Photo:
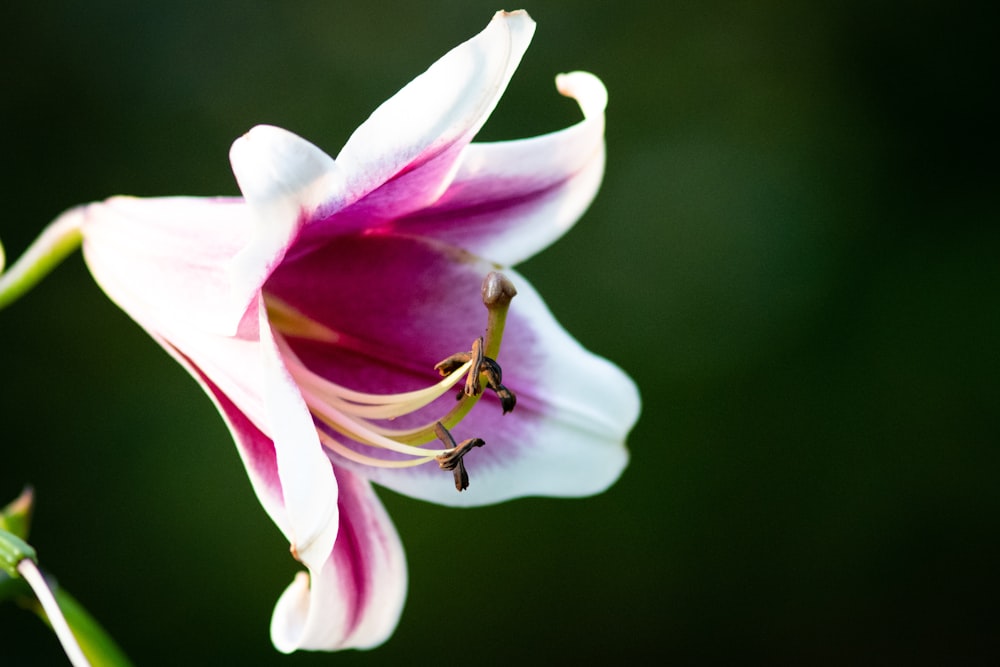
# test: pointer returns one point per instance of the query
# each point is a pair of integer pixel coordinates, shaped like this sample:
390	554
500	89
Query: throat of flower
354	424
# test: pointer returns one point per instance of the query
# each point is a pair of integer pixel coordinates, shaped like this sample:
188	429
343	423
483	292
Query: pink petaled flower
315	311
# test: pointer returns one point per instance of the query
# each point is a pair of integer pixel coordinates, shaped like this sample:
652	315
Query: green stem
57	241
82	637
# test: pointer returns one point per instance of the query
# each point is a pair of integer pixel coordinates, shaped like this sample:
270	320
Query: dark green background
794	254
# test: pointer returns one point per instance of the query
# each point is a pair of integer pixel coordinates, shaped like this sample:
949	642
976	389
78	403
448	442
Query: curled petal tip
517	13
586	89
271	163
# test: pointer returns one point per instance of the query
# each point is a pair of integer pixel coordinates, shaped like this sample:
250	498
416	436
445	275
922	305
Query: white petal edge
308	484
449	102
578	149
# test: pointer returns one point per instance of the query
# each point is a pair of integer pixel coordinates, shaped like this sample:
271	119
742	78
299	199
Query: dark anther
494	376
448	366
453	459
482	365
507	398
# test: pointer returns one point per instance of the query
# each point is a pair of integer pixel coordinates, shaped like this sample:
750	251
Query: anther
453	458
472	385
494	376
507	398
481	366
448	366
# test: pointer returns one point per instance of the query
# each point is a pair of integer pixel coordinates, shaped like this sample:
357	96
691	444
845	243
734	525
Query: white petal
511	199
168	258
307	480
274	431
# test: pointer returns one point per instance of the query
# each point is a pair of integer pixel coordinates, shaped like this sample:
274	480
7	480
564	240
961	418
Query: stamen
359	431
472	384
454	458
369	406
474	359
349	421
448	366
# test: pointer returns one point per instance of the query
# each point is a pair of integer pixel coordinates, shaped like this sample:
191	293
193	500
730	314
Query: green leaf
94	641
15	518
12	551
96	644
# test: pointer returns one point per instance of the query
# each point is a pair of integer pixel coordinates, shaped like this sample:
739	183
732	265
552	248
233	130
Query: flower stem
20	577
53	245
17	559
30	572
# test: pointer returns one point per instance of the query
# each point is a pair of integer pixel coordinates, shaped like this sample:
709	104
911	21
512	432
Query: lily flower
336	309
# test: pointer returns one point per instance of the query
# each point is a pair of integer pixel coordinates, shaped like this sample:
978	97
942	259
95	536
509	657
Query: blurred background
794	254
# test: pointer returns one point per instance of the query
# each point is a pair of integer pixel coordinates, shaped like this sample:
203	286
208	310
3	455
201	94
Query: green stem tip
53	245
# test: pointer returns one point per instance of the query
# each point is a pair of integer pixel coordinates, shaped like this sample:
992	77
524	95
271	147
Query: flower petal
307	481
354	599
402	158
511	199
574	409
248	372
283	178
245	376
166	262
170	257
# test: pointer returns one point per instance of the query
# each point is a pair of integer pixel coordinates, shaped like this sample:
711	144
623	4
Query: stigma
357	426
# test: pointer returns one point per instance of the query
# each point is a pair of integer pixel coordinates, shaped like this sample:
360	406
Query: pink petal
511	199
566	436
354	598
400	305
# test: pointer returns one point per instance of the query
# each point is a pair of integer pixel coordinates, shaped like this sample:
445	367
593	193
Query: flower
315	309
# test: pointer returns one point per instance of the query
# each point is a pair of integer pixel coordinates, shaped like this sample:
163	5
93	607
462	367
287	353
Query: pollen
355	425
